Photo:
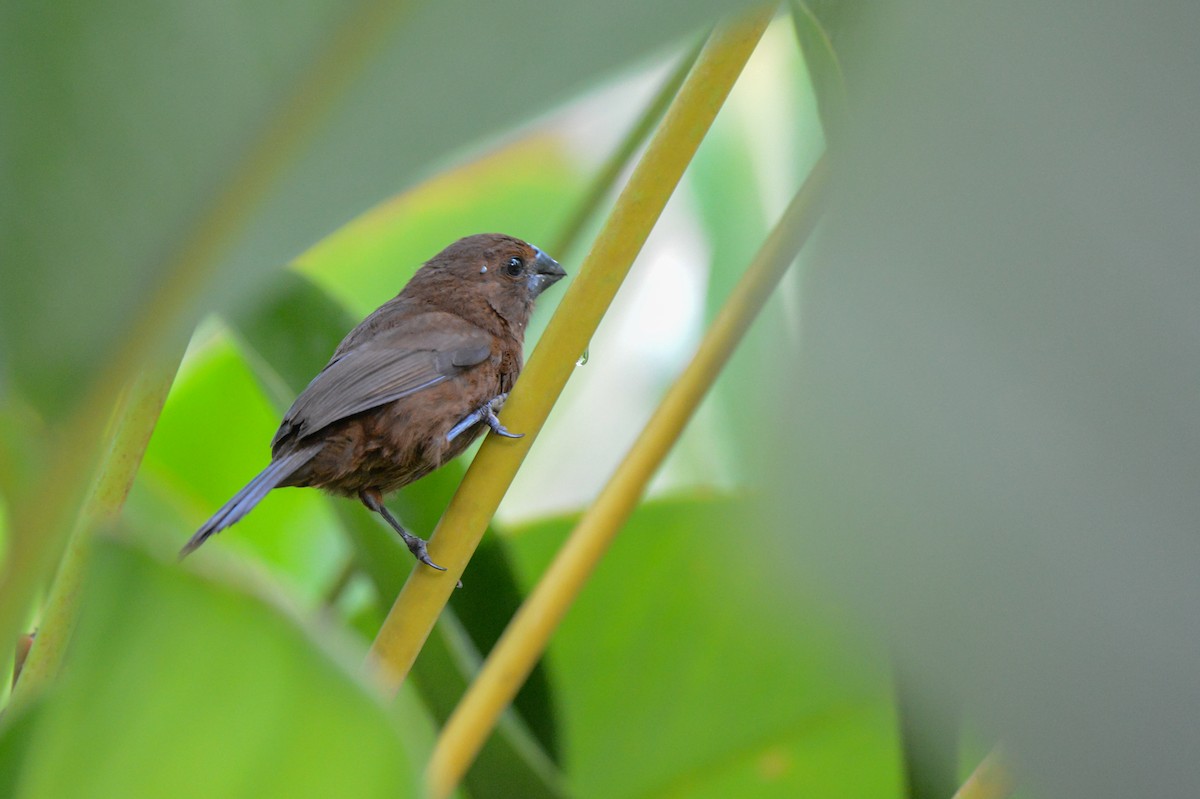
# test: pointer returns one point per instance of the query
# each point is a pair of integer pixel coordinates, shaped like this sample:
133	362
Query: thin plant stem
341	582
491	472
611	171
133	421
509	663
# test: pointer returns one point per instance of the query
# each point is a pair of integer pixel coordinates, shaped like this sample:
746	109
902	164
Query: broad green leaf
820	757
16	735
178	686
679	671
289	334
211	439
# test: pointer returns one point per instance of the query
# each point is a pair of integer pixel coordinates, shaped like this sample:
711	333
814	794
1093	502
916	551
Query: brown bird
412	386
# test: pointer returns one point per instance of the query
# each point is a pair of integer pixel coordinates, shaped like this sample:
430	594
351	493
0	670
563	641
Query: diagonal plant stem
133	421
611	171
528	633
991	779
637	209
599	188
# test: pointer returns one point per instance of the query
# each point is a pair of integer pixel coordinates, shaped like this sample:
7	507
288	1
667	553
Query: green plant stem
610	172
340	583
636	211
529	632
133	421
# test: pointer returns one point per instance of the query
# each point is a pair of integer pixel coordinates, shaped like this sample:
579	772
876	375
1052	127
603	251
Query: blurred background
943	496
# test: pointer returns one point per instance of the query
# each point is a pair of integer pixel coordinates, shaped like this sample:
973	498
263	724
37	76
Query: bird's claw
373	499
500	429
420	551
484	413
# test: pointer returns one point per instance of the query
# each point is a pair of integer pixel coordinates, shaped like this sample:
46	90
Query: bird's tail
245	500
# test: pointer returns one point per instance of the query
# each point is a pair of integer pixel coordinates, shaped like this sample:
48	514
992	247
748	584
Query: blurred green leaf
511	762
289	334
523	188
20	455
678	670
213	436
182	687
16	739
158	164
518	759
724	168
489	599
994	427
824	70
120	129
929	726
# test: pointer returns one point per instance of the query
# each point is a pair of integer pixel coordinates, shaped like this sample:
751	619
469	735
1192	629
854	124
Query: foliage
938	485
207	659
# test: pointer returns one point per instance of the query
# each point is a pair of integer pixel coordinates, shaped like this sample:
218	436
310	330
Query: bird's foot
484	413
420	550
373	499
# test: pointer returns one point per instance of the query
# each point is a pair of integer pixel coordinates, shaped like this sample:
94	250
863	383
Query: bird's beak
546	273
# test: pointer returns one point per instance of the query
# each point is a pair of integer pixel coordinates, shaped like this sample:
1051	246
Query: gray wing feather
384	369
250	495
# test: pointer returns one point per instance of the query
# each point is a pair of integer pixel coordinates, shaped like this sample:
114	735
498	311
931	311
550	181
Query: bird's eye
514	267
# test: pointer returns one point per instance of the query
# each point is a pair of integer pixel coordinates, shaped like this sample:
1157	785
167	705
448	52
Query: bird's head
504	272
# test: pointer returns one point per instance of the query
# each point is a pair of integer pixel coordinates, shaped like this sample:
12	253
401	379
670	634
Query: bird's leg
484	413
374	501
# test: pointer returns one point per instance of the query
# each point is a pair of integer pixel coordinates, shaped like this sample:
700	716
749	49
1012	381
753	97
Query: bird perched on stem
412	386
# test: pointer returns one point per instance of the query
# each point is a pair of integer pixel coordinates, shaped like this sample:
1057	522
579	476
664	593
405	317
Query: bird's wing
419	352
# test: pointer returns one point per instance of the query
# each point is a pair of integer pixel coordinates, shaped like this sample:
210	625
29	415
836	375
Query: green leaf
489	599
16	738
512	762
179	686
161	162
824	69
212	438
724	168
518	759
289	333
679	671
